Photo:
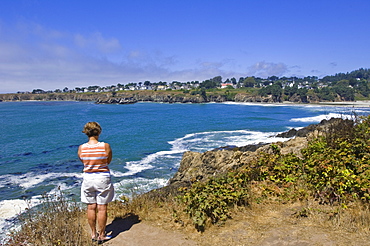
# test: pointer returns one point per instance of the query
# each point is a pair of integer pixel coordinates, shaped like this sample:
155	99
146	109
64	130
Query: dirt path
274	227
241	233
136	233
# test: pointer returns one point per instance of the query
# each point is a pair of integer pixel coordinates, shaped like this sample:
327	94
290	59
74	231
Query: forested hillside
335	88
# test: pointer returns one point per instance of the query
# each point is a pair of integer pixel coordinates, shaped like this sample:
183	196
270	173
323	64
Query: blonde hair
92	129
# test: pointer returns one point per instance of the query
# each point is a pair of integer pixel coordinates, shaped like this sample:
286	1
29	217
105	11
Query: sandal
105	239
95	239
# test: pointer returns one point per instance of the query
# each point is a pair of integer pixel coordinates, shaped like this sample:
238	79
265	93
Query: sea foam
138	186
10	209
319	118
32	179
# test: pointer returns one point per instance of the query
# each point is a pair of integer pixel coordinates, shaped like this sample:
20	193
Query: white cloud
32	57
266	69
98	42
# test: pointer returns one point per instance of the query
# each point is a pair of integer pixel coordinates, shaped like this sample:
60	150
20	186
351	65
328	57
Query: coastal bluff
135	96
196	166
128	97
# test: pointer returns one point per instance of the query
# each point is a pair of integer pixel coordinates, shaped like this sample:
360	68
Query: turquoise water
39	140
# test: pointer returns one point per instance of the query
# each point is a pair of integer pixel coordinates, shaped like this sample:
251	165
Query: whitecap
146	163
259	104
138	185
10	209
117	174
135	167
32	179
250	137
205	141
321	117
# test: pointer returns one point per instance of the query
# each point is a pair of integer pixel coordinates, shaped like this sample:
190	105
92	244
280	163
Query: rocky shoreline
196	166
130	97
133	97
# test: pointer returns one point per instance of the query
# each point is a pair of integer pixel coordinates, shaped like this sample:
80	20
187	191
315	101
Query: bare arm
109	152
79	153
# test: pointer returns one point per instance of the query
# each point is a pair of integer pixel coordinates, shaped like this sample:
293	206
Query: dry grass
58	221
265	221
159	209
286	224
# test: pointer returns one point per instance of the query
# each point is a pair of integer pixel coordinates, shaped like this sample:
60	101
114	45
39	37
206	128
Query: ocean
39	141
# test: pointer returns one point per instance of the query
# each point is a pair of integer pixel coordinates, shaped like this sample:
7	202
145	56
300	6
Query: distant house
145	87
162	87
224	85
175	87
288	84
131	88
186	87
322	85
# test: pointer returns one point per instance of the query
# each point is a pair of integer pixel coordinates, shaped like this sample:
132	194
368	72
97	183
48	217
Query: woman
97	190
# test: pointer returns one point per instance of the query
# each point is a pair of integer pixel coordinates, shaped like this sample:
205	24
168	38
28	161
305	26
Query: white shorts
97	189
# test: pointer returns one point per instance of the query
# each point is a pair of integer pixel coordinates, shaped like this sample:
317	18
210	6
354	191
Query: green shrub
334	168
230	96
211	201
338	168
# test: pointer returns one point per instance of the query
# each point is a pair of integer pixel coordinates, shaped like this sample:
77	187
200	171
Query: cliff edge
196	166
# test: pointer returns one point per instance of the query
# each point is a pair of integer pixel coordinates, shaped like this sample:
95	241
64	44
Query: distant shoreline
360	104
365	103
285	103
354	103
170	97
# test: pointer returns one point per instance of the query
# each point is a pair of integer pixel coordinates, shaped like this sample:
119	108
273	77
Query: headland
129	97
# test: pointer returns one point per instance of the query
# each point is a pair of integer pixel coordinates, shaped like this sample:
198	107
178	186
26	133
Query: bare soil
263	226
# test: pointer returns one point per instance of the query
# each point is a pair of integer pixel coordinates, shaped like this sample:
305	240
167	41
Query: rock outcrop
139	96
54	97
196	166
114	100
120	97
242	97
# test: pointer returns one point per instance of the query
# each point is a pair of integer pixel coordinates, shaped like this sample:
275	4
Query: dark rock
289	134
324	124
251	147
113	100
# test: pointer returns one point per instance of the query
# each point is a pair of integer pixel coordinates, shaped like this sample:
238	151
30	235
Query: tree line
346	86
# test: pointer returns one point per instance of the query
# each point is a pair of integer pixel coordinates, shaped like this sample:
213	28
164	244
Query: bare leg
91	218
102	220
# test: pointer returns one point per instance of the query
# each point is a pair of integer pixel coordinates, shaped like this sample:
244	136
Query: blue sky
55	44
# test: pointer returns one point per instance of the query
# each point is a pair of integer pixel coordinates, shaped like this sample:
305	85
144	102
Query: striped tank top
94	158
